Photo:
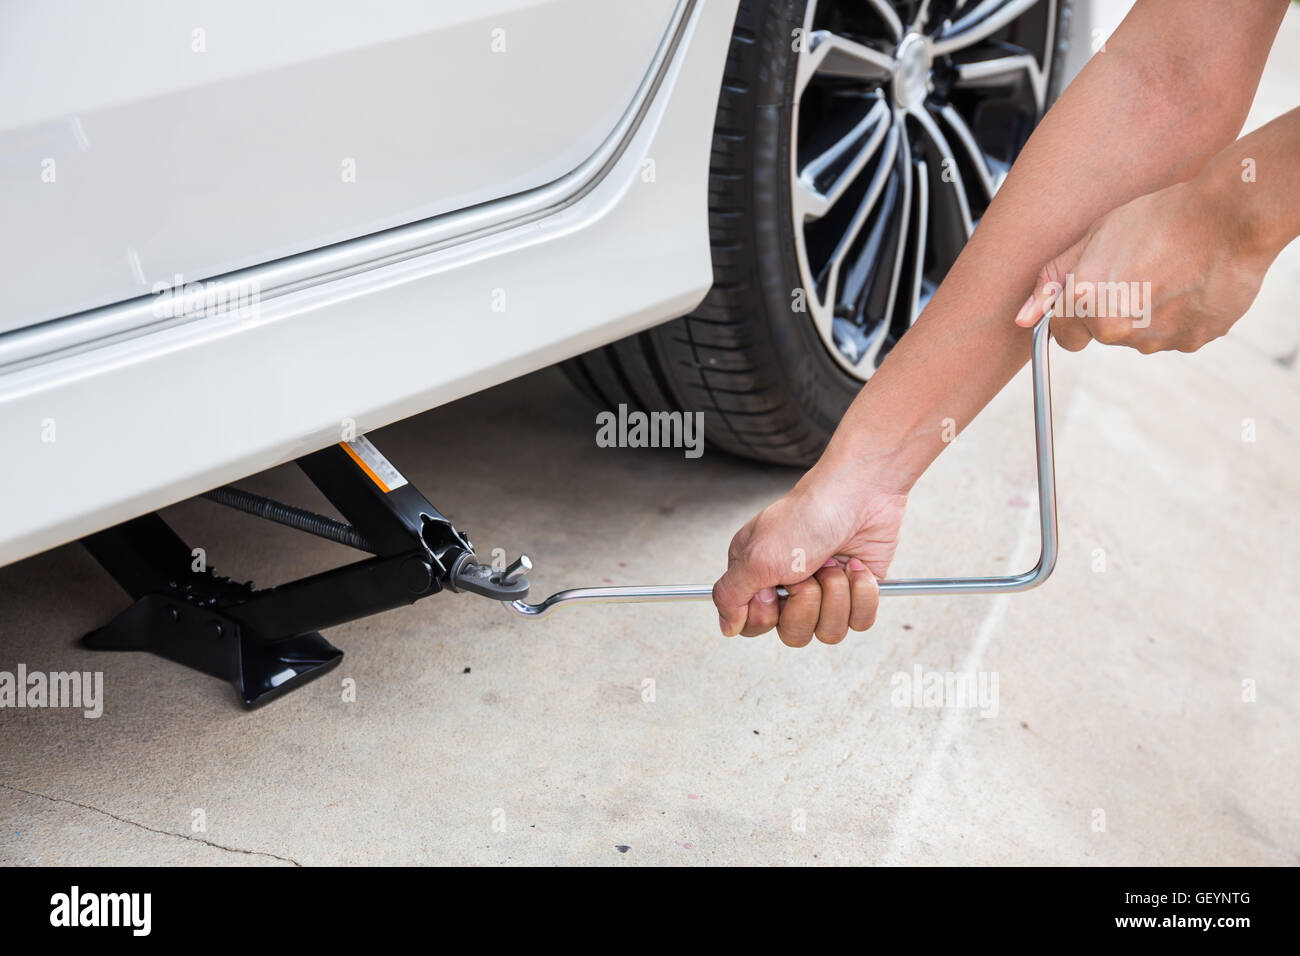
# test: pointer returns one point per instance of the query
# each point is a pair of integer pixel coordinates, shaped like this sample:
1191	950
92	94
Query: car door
154	142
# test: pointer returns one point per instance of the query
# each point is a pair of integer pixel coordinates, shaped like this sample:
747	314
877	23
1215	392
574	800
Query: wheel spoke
826	176
866	270
952	216
861	282
833	55
922	15
1001	70
870	287
903	220
963	137
921	178
887	13
983	20
879	179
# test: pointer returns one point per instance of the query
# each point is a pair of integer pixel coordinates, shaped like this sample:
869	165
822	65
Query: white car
234	231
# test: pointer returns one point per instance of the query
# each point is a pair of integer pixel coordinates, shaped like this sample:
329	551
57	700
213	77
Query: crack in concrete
142	826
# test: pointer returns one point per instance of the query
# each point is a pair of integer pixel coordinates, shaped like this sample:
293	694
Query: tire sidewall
816	382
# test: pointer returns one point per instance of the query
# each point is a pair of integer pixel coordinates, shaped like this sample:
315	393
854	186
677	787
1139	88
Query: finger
1044	296
1048	285
833	619
1030	312
1070	333
865	594
762	613
799	616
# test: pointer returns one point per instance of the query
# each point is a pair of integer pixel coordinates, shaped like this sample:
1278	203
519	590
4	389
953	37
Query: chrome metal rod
1041	373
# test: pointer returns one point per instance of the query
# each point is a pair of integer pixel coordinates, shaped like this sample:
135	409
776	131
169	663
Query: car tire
773	383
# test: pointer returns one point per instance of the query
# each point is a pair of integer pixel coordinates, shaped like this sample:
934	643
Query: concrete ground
1145	712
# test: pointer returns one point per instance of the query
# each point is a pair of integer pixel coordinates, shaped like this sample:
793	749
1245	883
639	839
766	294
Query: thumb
751	570
1048	285
732	593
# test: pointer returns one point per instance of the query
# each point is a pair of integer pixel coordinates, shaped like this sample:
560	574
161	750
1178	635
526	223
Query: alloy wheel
906	117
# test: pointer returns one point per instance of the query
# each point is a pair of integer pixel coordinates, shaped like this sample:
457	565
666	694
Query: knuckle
832	579
1070	335
808	590
1051	274
1111	333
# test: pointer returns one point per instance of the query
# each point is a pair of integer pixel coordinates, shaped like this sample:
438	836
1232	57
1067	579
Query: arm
1200	249
1163	98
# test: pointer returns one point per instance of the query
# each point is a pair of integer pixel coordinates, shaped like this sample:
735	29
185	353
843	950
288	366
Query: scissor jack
265	641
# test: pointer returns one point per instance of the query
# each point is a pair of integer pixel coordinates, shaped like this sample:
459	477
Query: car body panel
160	142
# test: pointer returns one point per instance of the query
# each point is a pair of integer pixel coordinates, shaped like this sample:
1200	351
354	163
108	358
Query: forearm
1149	111
1254	185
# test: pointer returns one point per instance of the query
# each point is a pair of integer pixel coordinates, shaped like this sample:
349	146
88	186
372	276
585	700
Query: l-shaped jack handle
1041	374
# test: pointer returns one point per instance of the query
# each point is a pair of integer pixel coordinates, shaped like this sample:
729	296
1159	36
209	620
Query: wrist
867	462
1227	196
